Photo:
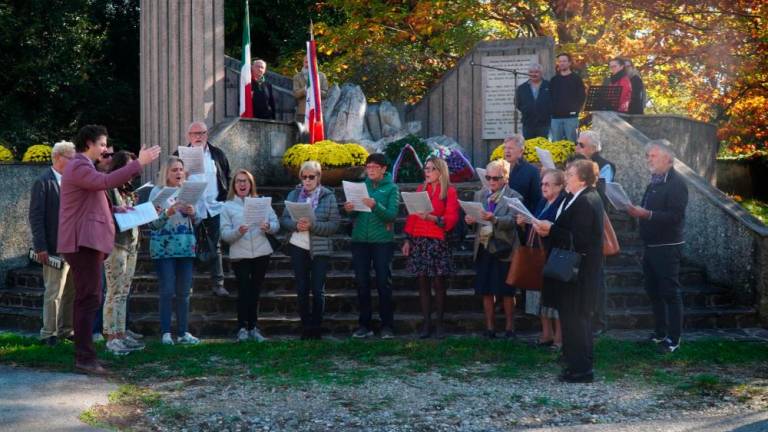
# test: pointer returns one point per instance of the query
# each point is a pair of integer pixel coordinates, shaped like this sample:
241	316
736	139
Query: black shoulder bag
563	264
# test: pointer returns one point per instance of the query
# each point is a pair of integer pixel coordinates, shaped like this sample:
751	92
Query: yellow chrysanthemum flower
560	150
5	155
37	153
330	154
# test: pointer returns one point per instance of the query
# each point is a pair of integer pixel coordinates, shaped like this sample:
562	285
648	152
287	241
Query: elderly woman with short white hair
310	245
495	241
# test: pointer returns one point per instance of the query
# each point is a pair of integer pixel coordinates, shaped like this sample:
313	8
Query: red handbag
525	270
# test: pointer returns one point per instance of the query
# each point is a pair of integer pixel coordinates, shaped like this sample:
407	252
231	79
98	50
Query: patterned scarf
312	197
493	199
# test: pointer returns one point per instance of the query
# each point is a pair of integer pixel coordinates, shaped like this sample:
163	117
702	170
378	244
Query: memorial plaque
499	93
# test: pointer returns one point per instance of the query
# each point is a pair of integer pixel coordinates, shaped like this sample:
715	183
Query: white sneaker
187	339
132	343
167	339
256	335
116	347
134	335
242	335
98	337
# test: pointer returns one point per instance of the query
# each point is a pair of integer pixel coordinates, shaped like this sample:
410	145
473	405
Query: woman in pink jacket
86	231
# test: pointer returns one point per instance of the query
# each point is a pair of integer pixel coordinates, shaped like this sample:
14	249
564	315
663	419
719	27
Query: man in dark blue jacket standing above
524	178
534	102
662	217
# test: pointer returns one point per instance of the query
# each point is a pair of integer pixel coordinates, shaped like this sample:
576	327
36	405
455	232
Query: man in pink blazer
86	231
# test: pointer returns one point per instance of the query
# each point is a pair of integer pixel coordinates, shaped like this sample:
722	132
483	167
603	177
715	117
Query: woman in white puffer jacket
249	252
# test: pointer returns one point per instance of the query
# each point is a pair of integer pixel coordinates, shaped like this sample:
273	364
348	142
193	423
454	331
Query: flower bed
339	161
37	153
560	150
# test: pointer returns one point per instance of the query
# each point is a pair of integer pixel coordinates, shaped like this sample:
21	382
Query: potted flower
560	150
38	153
5	155
339	161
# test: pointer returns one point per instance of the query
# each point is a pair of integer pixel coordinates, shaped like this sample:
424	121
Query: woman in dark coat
578	226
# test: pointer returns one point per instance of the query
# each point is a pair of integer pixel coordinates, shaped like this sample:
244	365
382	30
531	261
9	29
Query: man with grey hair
662	216
534	101
262	91
209	206
523	177
44	222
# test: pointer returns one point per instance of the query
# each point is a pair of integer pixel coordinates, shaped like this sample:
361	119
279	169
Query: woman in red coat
428	252
86	231
620	78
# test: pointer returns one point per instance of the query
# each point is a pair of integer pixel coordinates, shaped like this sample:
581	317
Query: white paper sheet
616	195
481	172
354	193
256	210
190	192
140	215
53	260
545	156
193	159
162	199
144	186
417	202
299	210
474	209
519	208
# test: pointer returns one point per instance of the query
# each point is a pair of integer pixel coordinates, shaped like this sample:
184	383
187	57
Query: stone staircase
706	305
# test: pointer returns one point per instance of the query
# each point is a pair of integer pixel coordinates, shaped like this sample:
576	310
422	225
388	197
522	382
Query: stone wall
695	142
258	146
730	243
15	236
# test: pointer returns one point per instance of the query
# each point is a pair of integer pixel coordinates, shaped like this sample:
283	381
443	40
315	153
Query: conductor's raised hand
148	154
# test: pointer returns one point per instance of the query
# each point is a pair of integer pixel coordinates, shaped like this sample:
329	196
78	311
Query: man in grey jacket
44	223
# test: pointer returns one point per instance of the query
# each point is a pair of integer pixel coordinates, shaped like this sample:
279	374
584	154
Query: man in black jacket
534	101
209	206
568	96
44	222
262	91
662	217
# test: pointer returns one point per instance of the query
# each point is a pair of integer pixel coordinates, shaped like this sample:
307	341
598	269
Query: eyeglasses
308	177
242	181
200	133
107	155
494	178
429	169
373	166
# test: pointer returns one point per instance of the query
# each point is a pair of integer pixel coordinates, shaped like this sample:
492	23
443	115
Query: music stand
603	98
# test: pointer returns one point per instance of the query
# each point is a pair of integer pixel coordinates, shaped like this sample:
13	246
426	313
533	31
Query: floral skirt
429	257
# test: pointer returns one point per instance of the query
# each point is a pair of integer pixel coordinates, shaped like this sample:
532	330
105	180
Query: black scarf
618	75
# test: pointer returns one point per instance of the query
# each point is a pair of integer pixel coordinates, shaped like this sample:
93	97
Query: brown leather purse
610	242
525	270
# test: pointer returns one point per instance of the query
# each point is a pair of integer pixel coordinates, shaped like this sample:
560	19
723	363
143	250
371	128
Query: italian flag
246	104
313	115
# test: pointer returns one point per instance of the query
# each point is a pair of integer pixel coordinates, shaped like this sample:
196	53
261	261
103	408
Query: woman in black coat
578	226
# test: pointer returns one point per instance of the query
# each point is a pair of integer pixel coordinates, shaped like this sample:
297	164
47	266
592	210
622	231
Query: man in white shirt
210	204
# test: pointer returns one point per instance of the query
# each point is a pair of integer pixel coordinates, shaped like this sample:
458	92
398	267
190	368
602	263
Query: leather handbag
611	245
204	250
526	269
563	264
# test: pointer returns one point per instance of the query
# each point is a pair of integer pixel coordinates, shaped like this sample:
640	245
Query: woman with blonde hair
428	252
172	247
310	245
249	252
495	240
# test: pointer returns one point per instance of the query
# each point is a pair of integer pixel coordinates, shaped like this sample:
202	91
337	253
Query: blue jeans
564	128
310	277
175	278
381	256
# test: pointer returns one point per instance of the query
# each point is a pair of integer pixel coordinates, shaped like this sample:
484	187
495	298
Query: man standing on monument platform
300	90
568	95
263	93
534	101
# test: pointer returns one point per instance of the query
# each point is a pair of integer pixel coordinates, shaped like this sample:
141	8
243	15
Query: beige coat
300	90
505	226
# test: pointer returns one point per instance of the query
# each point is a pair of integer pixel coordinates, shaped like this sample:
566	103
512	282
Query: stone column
182	70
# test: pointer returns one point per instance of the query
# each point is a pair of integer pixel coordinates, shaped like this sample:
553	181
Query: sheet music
162	199
545	156
191	192
417	202
140	215
481	172
193	159
474	209
617	196
518	207
256	210
144	186
354	193
299	210
53	260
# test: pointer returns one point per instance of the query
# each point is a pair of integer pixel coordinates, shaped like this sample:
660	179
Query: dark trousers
87	270
599	320
533	131
661	268
213	229
98	322
577	337
250	275
310	278
380	254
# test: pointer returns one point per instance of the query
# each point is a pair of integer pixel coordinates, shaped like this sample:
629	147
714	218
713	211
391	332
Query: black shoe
490	334
667	346
510	334
305	334
49	341
439	332
545	344
571	377
425	332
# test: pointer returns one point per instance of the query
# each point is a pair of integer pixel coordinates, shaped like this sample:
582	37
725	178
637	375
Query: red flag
313	116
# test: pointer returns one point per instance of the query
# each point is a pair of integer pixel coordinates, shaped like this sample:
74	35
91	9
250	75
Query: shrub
37	153
5	155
